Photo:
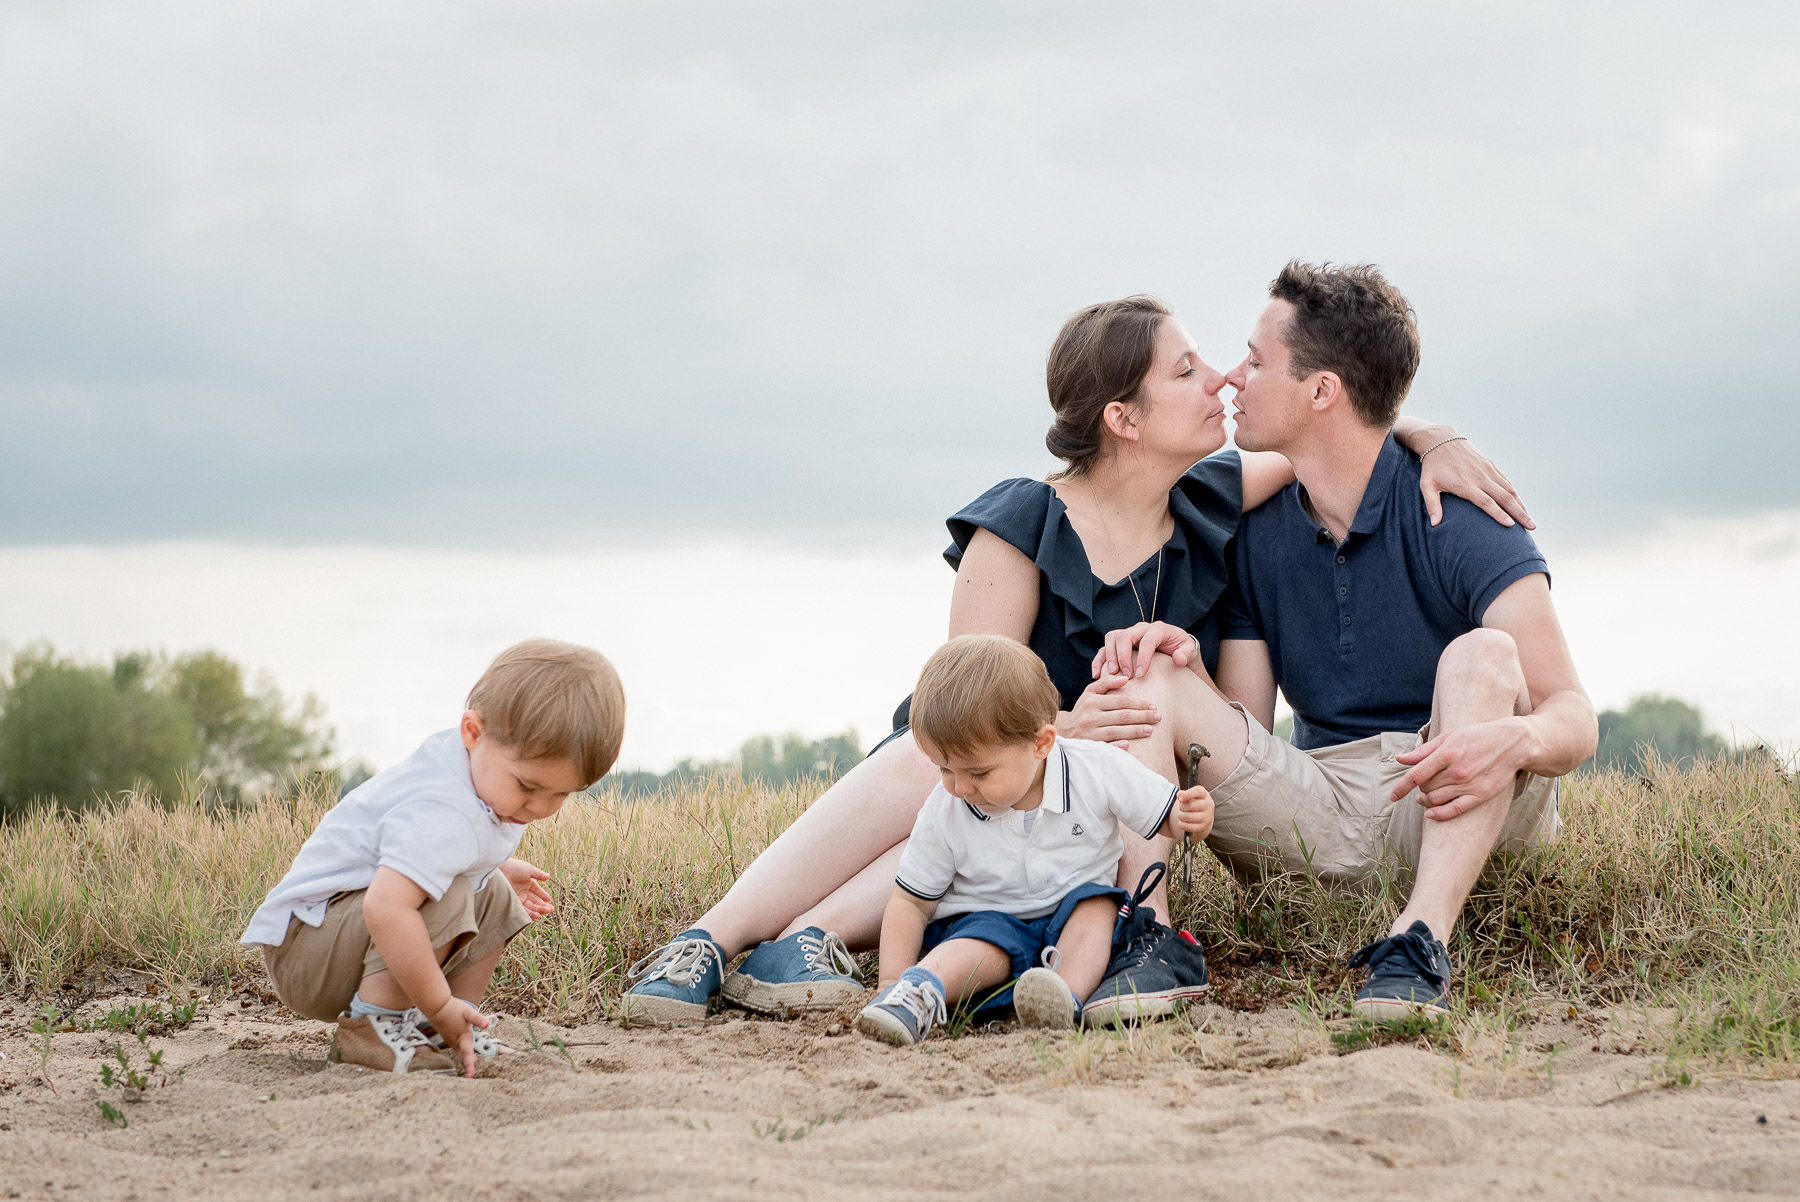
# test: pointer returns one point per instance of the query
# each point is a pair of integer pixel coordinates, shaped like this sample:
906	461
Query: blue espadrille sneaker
809	970
675	983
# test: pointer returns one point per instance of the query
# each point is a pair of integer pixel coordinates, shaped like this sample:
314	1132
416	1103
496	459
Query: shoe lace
829	954
402	1029
1412	950
683	962
920	999
1143	933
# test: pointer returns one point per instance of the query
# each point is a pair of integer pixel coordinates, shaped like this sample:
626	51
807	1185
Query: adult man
1435	700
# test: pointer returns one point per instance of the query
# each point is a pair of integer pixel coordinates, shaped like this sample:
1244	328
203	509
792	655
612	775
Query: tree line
79	732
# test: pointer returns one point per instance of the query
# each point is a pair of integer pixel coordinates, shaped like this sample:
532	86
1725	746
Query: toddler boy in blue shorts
1009	873
393	917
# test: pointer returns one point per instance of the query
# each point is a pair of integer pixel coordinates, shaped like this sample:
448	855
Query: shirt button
1346	619
1343	590
1340	559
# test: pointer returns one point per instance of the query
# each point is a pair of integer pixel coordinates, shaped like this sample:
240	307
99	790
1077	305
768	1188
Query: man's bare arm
1246	676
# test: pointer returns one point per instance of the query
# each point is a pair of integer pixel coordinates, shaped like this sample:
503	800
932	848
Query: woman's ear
1121	419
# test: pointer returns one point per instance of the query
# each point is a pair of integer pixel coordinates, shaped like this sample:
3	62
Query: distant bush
1672	728
76	732
770	760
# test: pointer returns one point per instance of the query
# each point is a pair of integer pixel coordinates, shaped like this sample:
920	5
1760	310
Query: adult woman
1136	527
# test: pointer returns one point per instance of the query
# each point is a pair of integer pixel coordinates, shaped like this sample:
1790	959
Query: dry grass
1672	889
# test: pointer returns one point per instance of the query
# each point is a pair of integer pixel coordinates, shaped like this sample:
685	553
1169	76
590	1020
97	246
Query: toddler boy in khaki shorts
393	916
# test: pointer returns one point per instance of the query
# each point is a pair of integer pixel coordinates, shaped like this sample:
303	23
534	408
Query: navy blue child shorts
1022	939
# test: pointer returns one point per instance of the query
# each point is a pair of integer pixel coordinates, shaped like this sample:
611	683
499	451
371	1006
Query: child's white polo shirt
420	818
966	860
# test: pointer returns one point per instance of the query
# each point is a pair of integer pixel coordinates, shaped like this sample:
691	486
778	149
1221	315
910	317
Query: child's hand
1193	812
524	878
452	1021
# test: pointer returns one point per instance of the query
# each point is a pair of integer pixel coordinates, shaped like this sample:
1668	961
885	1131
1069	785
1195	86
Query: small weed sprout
131	1080
48	1022
784	1132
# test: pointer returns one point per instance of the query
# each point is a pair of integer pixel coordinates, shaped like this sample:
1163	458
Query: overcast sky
466	274
597	278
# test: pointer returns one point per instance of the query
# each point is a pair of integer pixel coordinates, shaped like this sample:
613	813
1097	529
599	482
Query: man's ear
1121	419
1327	391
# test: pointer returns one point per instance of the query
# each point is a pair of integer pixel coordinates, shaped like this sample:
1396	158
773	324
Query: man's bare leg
1479	679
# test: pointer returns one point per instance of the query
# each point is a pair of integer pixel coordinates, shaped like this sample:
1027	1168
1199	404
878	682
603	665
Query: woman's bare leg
831	849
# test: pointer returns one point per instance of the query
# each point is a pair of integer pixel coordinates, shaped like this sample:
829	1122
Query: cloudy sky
370	335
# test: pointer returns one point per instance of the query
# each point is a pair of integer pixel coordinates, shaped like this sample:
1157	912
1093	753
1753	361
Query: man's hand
1128	652
452	1020
1458	771
1107	716
1193	813
524	878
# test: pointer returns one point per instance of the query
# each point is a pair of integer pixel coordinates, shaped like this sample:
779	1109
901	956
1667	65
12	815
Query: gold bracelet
1434	446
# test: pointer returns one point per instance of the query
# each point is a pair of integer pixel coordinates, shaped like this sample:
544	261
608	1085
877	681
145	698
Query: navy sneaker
675	983
809	970
1156	971
1409	973
905	1011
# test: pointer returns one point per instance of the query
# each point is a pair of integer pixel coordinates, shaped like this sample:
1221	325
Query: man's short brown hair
543	699
982	690
1351	321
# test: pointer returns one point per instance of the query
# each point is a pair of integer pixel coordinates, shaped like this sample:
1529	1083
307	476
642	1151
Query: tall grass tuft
1672	887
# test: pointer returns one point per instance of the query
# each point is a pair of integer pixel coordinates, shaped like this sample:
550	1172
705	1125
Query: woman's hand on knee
1107	715
1128	652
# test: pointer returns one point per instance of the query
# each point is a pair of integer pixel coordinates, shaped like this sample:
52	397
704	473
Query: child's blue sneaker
676	983
1409	973
905	1011
809	970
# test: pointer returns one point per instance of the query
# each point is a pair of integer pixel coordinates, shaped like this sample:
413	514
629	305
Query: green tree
1674	728
767	759
76	732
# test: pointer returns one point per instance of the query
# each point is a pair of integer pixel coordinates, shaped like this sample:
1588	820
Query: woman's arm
1265	474
1449	463
996	590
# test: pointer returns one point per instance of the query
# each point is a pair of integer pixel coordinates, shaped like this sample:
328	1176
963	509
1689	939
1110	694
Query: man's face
1271	406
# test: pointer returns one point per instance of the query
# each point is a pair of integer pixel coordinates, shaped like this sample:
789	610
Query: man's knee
1484	660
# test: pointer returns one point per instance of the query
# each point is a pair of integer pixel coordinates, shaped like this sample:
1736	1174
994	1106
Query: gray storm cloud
495	274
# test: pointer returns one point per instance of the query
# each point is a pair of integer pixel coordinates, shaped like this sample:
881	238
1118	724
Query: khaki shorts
1327	812
316	970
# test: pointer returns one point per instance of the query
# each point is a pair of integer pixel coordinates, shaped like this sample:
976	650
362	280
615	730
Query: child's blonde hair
981	690
544	699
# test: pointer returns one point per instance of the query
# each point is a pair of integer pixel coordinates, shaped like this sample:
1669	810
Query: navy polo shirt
1355	629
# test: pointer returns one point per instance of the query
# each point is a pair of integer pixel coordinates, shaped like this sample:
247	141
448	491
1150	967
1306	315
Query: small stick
1196	753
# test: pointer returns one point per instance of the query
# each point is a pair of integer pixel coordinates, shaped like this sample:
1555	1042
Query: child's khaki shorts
1327	812
316	970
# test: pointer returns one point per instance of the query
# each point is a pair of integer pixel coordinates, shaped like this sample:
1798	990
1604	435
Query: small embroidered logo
1076	829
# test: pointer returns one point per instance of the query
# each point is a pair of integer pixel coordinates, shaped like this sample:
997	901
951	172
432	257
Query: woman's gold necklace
1130	577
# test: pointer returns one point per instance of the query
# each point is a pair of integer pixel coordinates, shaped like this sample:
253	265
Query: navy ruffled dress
1076	610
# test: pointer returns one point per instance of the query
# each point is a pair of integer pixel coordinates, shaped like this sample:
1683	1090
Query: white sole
659	1011
1139	1007
1041	999
1394	1010
793	997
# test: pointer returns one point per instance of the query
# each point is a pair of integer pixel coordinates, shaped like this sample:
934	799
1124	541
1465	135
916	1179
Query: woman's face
1180	412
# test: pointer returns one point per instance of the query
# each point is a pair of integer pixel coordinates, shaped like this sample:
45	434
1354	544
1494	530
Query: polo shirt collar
1381	483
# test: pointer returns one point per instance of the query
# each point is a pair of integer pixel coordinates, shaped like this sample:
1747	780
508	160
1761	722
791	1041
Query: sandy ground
1227	1104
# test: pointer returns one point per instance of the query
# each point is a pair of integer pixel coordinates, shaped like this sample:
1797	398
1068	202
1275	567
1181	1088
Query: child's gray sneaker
675	983
809	970
905	1011
392	1043
1409	973
1041	998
